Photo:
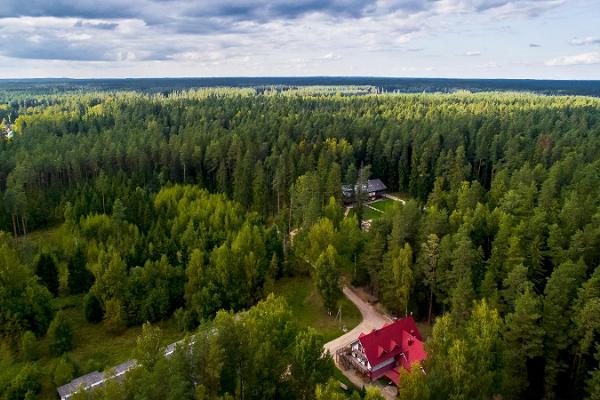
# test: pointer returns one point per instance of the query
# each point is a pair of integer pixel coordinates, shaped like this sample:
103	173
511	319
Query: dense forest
190	206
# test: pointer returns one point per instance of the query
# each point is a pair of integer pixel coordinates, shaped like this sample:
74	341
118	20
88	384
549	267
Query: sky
537	39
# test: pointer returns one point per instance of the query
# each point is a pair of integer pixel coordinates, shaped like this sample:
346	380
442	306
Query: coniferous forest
159	217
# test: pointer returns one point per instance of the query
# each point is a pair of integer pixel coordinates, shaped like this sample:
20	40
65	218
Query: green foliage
309	366
80	278
24	303
29	347
507	182
327	278
64	371
25	384
400	279
114	316
558	297
45	268
148	349
524	339
373	393
330	391
466	362
60	334
256	354
413	384
92	308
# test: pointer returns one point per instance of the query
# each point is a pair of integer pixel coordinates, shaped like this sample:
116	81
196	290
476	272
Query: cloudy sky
552	39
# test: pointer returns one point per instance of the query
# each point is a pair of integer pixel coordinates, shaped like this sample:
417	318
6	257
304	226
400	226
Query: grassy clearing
94	348
308	310
384	205
369	213
381	207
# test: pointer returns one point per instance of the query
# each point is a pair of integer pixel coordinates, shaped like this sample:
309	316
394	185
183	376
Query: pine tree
60	334
401	278
430	254
558	294
524	340
327	278
45	268
80	278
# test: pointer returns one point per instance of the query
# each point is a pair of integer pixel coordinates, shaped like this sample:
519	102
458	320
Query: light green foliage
24	303
310	366
466	362
327	278
148	348
26	384
399	278
413	384
64	371
114	316
330	391
373	393
29	347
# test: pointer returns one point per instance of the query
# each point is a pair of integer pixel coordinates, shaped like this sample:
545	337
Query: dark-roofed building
384	351
374	189
94	380
85	382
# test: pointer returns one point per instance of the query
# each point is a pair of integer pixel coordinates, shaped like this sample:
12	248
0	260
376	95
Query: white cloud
585	41
263	37
331	56
590	58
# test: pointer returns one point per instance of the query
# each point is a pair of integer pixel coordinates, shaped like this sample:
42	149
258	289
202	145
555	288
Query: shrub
92	309
60	334
114	316
25	384
28	346
63	371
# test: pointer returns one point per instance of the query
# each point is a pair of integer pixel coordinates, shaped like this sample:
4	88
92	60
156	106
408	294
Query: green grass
369	213
385	205
308	310
94	348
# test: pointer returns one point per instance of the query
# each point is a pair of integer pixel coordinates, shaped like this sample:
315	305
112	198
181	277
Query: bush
80	278
63	371
60	334
25	384
45	268
92	309
114	316
28	346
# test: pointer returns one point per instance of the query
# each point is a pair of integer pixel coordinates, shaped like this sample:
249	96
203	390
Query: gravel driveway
371	319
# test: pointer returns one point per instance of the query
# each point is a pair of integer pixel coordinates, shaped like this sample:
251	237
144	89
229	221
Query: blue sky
540	39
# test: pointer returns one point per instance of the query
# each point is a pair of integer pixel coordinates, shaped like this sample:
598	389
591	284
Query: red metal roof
400	340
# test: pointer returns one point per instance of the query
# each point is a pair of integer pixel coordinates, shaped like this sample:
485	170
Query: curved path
371	319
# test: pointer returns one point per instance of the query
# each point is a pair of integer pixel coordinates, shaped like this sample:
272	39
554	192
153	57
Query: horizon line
293	77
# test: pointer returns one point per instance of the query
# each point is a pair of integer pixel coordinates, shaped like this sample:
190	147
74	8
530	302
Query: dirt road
371	319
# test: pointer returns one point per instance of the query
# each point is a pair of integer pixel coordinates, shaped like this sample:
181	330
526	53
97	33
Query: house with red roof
382	352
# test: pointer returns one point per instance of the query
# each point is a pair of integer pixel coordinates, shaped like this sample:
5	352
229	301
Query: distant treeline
402	85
